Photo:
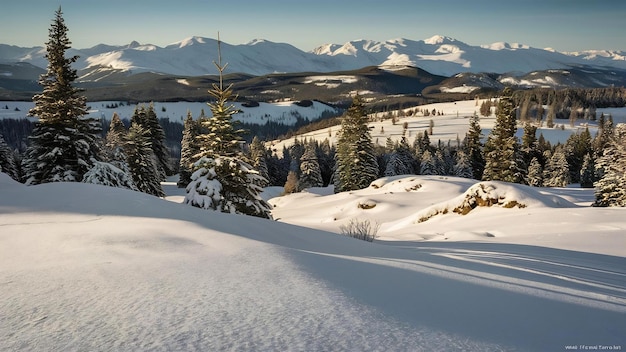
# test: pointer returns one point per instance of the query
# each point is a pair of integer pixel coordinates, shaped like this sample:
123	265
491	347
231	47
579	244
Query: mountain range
467	67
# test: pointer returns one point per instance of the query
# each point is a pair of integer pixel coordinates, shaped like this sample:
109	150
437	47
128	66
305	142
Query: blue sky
565	25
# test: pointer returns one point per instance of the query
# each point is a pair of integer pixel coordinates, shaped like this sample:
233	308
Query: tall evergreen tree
115	142
610	189
535	173
356	163
556	171
64	143
310	173
7	160
258	159
462	166
141	160
147	118
474	148
587	172
188	151
223	180
503	160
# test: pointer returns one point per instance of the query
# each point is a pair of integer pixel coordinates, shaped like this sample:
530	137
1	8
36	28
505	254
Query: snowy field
452	123
280	112
90	268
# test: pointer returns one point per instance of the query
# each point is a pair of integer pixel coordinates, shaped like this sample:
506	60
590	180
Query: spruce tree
610	189
7	160
258	159
115	143
356	164
462	166
587	172
141	160
474	148
223	180
188	151
310	173
535	173
148	120
503	159
64	143
556	171
428	165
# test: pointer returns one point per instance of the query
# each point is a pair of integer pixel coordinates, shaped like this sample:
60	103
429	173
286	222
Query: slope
133	272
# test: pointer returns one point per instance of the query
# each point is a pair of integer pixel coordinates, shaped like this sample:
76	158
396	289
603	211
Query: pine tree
428	166
535	173
64	143
587	172
462	166
556	171
188	151
141	161
223	179
258	158
115	143
310	173
7	160
148	120
356	164
474	148
107	174
401	161
610	189
503	159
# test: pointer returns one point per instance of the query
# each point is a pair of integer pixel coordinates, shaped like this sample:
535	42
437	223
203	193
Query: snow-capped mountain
439	55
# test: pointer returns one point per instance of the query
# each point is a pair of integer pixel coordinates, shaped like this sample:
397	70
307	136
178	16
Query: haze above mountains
438	55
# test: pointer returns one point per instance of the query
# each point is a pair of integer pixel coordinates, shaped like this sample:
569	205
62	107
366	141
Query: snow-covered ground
90	268
280	112
452	122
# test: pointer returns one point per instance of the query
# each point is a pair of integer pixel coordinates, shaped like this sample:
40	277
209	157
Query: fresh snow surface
91	268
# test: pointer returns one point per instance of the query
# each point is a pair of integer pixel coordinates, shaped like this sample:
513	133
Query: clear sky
565	25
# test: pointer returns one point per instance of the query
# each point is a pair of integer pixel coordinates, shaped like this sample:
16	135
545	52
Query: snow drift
88	267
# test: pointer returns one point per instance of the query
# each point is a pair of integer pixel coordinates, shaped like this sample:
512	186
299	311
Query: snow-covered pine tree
535	173
610	189
157	139
310	173
188	151
462	167
115	143
474	147
7	160
503	160
141	161
577	146
587	172
223	179
401	161
258	158
64	142
107	174
356	164
428	165
556	171
148	120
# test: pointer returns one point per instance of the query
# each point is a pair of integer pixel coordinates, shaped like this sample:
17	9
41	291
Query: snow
134	272
452	123
439	55
282	112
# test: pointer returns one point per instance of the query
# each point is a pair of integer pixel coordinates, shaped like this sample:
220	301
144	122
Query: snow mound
493	194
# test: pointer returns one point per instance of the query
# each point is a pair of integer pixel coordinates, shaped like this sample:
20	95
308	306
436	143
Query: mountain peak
133	44
439	39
